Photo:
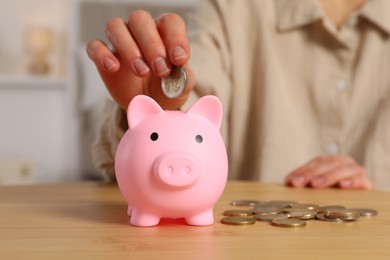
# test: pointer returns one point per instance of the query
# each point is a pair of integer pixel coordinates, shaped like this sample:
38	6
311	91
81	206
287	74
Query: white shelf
177	3
31	81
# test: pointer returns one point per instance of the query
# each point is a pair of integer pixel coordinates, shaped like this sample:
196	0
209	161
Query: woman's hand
330	171
143	51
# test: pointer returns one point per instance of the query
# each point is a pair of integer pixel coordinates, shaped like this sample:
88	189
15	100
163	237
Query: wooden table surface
88	221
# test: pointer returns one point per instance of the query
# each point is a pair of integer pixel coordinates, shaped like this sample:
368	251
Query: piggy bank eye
199	139
154	136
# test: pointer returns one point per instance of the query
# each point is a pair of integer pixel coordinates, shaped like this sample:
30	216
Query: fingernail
109	64
179	53
141	67
160	66
91	47
108	34
298	181
319	181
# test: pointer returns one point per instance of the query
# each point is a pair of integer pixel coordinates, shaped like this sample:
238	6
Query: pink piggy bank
172	164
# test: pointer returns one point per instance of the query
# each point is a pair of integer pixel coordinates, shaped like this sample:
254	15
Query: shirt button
332	149
341	85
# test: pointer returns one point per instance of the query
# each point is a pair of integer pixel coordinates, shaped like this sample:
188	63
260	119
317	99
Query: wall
16	17
45	121
32	109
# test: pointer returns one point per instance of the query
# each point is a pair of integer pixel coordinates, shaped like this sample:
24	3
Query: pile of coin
291	214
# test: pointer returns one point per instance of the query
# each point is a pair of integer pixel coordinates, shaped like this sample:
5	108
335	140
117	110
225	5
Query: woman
303	83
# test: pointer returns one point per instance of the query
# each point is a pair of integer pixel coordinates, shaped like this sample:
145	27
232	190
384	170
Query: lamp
39	42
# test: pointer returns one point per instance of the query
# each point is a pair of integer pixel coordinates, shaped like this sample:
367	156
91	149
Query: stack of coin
342	214
291	214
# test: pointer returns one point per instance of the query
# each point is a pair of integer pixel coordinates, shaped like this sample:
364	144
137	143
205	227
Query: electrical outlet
14	172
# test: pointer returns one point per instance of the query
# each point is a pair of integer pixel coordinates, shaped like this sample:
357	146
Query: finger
336	175
319	165
144	30
173	33
103	58
297	177
121	39
356	182
302	176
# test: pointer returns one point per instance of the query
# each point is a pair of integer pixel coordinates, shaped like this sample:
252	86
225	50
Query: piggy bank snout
176	170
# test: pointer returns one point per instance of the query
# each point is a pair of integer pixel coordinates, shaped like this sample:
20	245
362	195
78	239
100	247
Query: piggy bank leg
142	219
202	219
129	209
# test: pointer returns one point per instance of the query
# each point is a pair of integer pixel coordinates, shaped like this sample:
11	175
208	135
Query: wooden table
88	221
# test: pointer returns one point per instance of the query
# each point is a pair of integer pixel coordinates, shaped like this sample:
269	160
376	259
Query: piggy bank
172	164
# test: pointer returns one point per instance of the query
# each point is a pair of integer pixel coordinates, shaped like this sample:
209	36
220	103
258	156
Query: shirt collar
377	12
292	14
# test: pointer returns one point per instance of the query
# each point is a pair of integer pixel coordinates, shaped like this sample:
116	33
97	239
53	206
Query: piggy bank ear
210	108
140	107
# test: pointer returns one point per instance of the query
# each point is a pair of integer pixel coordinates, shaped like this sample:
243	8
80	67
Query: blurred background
50	93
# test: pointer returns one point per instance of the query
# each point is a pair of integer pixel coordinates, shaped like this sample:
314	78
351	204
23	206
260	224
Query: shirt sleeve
112	126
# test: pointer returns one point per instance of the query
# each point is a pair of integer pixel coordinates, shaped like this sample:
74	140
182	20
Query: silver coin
280	203
308	206
343	214
269	217
325	209
302	214
366	212
323	217
267	210
174	84
244	203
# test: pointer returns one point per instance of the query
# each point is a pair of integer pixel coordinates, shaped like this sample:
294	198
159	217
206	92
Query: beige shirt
292	86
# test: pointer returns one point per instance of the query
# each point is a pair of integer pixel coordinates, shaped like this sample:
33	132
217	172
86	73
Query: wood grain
88	221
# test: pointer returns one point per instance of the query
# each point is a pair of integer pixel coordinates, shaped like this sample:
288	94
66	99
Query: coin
288	223
244	203
324	209
299	209
174	83
307	206
365	212
267	209
238	213
280	203
343	214
238	221
323	217
269	217
286	213
302	214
